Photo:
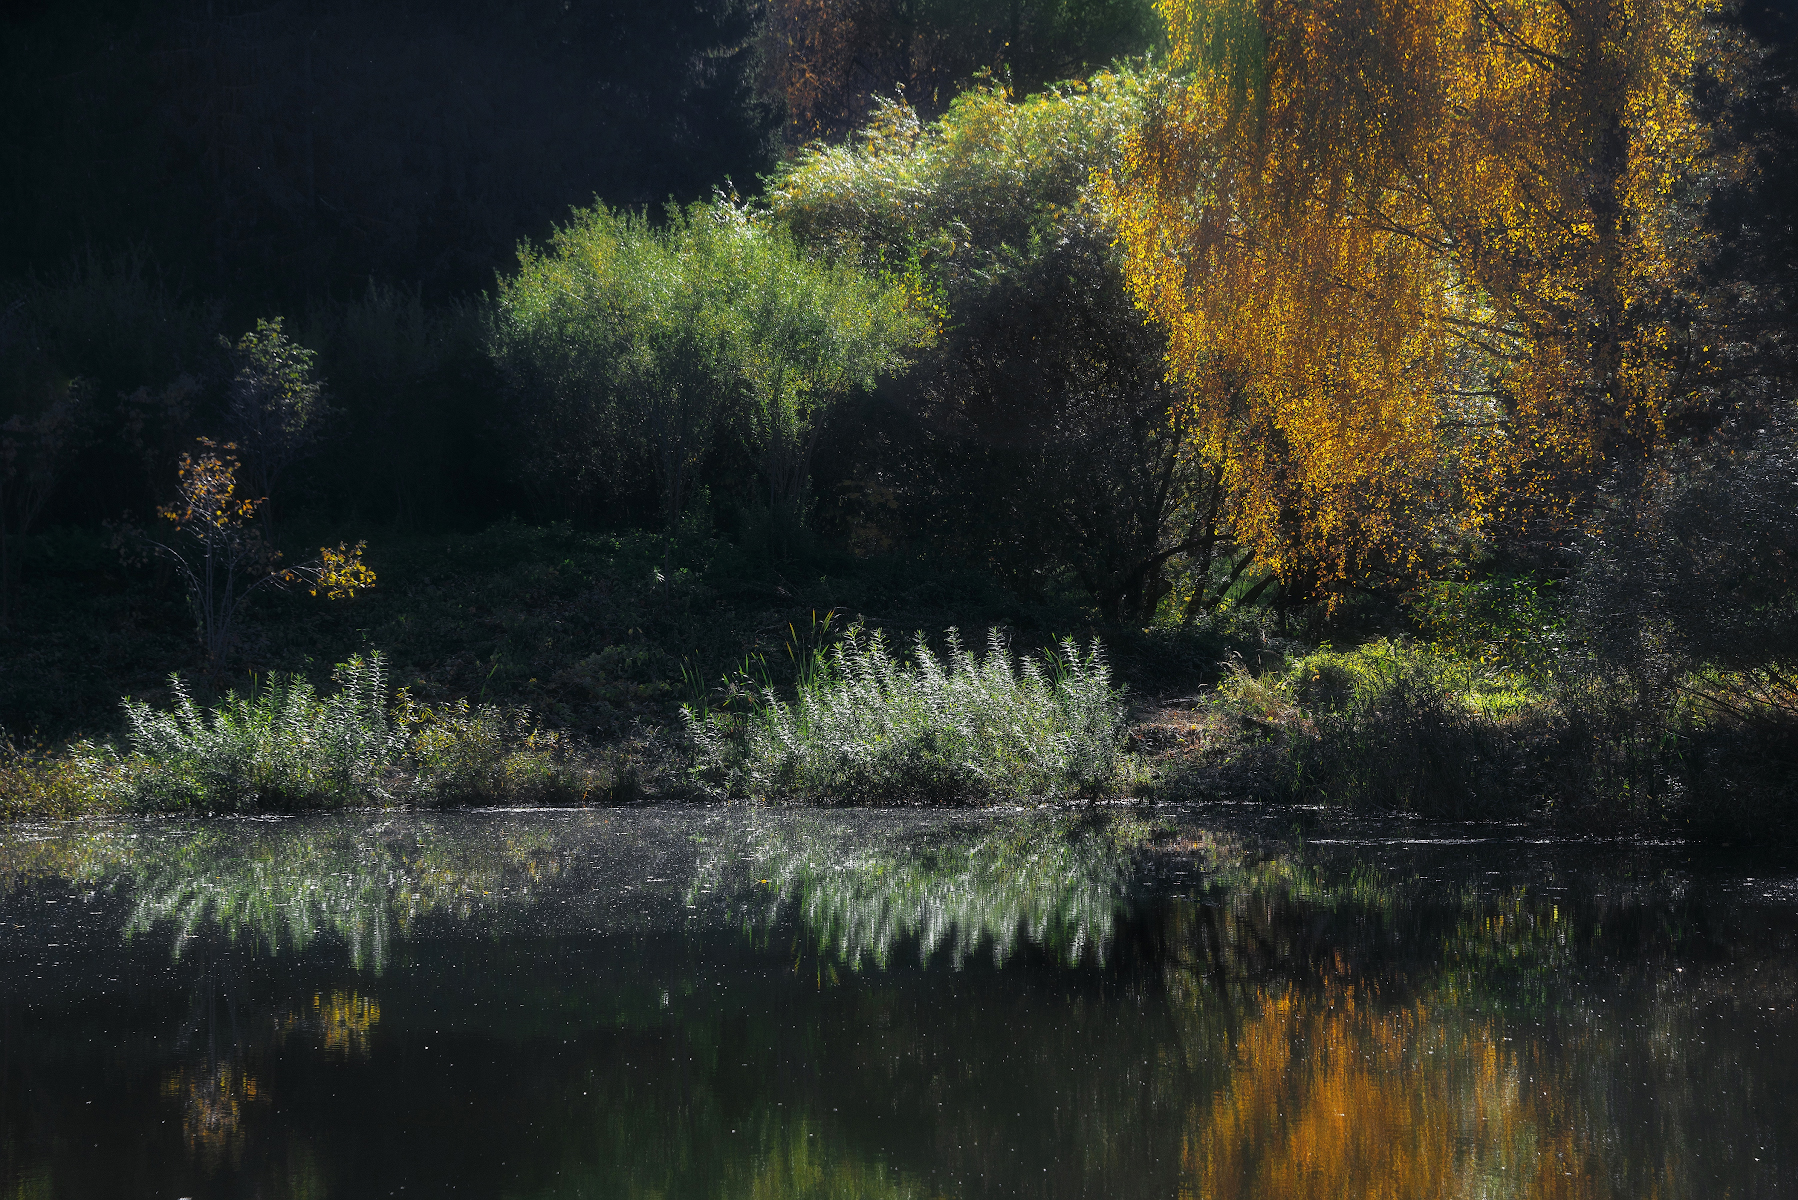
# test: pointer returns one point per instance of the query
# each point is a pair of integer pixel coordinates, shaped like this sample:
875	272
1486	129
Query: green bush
286	746
460	754
1039	437
636	350
1402	727
1389	725
36	783
1507	622
866	726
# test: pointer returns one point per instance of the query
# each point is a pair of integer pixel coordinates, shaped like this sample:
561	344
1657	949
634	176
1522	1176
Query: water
719	1003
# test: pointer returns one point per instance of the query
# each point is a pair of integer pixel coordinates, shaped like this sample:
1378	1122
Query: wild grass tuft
287	746
283	745
867	726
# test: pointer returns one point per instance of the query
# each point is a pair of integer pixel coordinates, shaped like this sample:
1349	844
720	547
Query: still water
1222	1002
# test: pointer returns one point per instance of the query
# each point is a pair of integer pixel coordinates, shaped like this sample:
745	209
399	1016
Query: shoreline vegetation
716	685
932	404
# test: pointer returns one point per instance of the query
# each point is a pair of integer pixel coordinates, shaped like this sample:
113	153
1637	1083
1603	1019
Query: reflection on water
340	1021
1333	1090
721	1003
212	1101
1054	882
280	885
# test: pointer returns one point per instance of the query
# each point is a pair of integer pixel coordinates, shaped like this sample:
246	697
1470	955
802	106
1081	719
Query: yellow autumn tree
1426	265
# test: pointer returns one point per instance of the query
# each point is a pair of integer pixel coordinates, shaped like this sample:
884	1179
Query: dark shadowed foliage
283	150
1038	440
826	60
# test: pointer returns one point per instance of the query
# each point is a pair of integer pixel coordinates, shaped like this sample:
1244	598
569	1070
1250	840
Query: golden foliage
342	1021
826	55
224	558
1424	263
214	1099
341	572
208	490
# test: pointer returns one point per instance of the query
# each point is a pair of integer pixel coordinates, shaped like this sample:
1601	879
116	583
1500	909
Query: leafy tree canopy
1428	268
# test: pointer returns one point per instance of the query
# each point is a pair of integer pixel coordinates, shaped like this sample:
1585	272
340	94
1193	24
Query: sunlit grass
285	745
868	726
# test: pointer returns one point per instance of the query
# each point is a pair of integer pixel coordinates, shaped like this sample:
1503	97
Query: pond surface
725	1003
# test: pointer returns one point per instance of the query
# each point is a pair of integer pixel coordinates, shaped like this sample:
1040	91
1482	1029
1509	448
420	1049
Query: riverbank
546	665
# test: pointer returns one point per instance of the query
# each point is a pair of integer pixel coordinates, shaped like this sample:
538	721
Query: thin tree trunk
1254	593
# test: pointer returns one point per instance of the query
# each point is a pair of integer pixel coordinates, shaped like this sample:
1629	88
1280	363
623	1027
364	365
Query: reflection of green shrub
1056	882
867	726
280	887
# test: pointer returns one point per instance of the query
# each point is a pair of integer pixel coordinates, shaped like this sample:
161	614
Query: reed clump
868	726
287	746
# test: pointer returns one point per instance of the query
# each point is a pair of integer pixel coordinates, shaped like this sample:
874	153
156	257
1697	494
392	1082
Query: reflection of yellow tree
213	1100
1336	1092
1350	1076
342	1021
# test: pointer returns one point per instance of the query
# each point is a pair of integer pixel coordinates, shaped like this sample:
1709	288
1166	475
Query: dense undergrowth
540	664
585	631
1403	726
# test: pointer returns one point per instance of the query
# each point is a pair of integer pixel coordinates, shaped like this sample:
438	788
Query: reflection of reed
281	885
281	888
89	856
1056	883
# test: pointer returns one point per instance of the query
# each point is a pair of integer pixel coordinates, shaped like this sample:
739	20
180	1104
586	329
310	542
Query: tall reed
866	726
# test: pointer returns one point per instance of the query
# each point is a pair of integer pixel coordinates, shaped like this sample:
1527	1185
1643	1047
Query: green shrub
1389	725
36	783
1506	622
284	745
636	349
866	726
460	754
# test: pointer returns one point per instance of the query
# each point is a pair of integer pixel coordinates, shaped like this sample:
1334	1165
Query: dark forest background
172	172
